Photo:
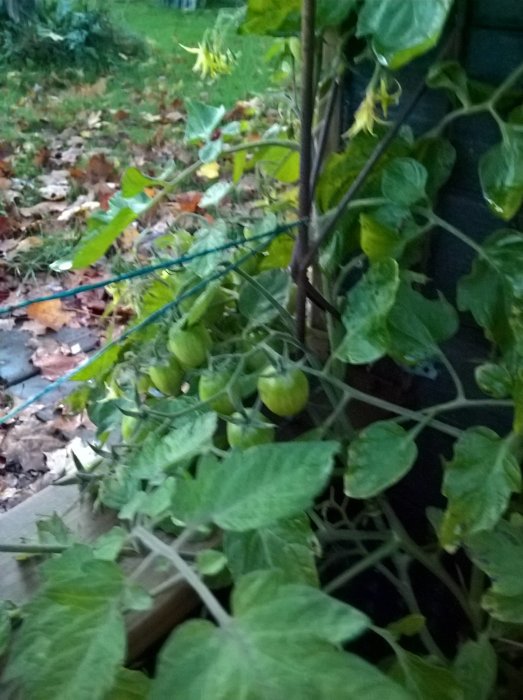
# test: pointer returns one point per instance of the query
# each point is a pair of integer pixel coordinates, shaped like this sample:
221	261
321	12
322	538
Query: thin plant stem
382	552
429	562
156	545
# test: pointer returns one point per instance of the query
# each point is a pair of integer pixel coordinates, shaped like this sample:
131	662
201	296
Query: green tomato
190	346
167	378
214	384
257	359
250	431
285	393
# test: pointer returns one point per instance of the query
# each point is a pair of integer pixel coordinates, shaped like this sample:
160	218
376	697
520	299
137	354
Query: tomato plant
305	517
167	377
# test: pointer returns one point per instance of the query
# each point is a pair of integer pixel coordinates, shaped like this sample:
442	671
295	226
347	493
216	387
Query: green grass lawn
41	102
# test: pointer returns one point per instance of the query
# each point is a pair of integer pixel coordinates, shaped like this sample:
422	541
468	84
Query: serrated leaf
157	455
478	483
256	487
208	238
285	545
109	545
400	32
202	120
279	643
365	317
476	669
501	174
255	306
403	181
73	638
378	457
499	553
129	685
425	680
416	325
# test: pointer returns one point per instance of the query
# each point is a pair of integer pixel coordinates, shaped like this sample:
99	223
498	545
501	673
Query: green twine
171	262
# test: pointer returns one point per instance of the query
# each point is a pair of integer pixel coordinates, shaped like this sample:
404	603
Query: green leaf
493	291
478	483
157	455
450	76
281	163
255	306
210	562
278	254
332	14
214	195
286	545
379	457
134	182
105	227
386	231
494	380
202	120
341	169
365	316
73	638
206	239
404	181
416	325
108	546
239	165
407	626
401	31
499	553
129	685
272	17
278	643
256	487
98	367
283	18
438	156
501	174
5	628
425	680
476	669
210	152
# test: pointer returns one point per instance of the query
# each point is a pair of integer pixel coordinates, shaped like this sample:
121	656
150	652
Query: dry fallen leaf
54	365
187	202
209	171
43	209
99	169
49	313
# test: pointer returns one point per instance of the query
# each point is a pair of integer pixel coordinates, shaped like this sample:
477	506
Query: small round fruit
285	393
249	431
212	387
167	378
190	346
